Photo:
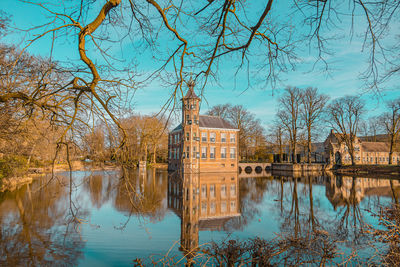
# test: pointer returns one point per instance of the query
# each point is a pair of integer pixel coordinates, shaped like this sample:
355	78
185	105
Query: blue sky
346	64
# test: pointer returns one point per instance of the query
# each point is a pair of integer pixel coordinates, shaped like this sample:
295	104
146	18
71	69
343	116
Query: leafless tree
313	105
220	110
391	122
373	126
289	116
277	137
251	133
344	115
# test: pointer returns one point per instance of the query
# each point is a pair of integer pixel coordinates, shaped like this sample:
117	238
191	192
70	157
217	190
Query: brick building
202	143
336	151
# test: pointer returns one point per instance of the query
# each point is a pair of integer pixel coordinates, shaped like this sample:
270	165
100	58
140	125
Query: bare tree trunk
145	152
391	149
309	145
154	154
294	159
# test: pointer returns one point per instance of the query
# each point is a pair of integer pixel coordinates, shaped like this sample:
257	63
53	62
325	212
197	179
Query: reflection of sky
106	244
347	63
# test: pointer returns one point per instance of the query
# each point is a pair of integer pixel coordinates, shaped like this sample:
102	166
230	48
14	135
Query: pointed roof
190	93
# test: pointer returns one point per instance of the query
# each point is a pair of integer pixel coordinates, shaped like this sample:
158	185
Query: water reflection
52	222
203	202
35	229
142	194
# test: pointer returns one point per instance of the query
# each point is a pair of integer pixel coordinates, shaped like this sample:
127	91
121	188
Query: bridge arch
248	169
258	169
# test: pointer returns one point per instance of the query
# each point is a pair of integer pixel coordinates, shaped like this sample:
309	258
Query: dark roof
177	128
375	146
214	122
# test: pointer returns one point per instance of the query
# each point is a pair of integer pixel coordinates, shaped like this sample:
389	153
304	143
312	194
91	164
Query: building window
223	153
204	191
212	152
212	207
233	152
170	139
204	208
223	137
212	190
212	137
223	206
223	191
178	154
233	205
233	190
195	153
204	152
187	136
232	137
204	137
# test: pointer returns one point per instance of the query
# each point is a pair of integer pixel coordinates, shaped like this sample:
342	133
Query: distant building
336	151
202	143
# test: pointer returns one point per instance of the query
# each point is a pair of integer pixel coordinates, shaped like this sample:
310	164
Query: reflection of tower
190	214
203	202
191	134
183	199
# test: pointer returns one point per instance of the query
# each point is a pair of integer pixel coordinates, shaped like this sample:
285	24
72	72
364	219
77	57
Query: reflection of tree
350	215
251	194
394	193
312	218
34	228
99	192
142	194
293	216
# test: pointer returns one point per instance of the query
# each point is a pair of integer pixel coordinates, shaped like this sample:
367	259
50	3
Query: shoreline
392	171
13	183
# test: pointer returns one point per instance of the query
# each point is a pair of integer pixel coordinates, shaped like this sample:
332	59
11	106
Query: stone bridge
247	170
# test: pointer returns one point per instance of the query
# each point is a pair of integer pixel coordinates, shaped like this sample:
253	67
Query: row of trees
146	138
303	113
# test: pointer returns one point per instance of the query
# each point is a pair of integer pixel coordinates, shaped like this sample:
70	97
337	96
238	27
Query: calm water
107	219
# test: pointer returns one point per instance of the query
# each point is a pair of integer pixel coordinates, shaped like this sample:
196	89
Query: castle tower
191	133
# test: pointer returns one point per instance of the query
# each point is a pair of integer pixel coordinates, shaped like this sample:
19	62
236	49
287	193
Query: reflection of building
203	202
351	190
336	151
202	143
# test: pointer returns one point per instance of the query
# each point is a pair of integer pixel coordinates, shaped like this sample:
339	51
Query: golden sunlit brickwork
202	143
